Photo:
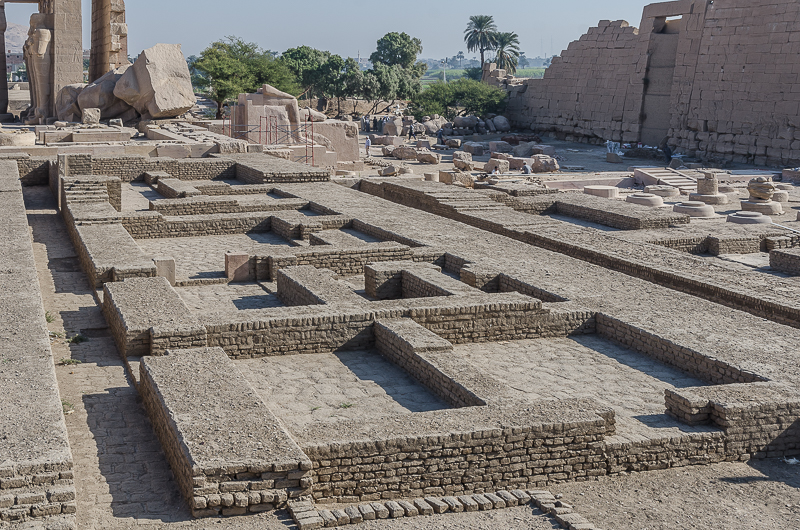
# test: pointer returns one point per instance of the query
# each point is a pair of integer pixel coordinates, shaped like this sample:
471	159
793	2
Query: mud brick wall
735	245
410	346
668	352
36	464
172	188
384	281
590	91
108	253
508	284
691	245
323	329
343	261
664	453
306	285
480	450
773	243
760	420
150	225
787	260
205	205
616	214
238	474
130	168
34	170
135	309
413	286
731	96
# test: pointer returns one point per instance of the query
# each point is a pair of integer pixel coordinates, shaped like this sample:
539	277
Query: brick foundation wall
712	370
228	479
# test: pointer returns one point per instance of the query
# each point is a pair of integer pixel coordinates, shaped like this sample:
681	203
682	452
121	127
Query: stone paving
329	387
587	367
204	257
229	297
136	196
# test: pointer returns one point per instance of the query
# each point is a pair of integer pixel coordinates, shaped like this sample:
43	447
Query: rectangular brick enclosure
297	343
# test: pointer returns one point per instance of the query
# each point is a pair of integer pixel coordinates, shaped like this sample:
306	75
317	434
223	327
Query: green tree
397	48
306	63
473	73
232	66
507	51
462	97
480	35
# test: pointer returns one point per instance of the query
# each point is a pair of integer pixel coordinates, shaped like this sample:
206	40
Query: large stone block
158	85
100	95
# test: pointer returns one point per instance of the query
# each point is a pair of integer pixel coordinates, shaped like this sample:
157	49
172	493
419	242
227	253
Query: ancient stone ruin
208	325
675	77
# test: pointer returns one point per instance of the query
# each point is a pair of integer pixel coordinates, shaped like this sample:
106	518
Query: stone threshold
308	516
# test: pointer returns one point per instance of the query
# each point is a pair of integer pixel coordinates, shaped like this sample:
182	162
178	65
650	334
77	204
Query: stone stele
158	85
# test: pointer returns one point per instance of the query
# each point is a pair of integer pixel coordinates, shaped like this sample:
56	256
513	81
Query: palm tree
481	35
507	51
460	58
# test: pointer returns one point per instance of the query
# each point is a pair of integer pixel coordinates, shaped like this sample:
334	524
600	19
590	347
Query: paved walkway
587	367
121	475
328	387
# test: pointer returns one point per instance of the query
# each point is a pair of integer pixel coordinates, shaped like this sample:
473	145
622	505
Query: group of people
373	124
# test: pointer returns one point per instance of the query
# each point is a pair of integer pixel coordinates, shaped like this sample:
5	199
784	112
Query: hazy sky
350	28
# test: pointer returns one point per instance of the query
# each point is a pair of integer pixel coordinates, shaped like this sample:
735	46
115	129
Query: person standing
440	137
665	149
375	123
411	133
367	144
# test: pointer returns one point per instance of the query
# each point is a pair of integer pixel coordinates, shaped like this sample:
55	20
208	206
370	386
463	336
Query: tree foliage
397	49
232	66
307	65
459	98
507	51
481	35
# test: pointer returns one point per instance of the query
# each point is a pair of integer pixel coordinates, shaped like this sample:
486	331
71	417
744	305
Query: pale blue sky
349	27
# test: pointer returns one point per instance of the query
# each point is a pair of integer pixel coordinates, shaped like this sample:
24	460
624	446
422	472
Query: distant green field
431	76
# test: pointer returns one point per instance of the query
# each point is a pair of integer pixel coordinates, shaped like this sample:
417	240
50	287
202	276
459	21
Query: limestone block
387	171
393	127
423	144
427	157
500	147
90	116
463	161
100	95
158	84
474	148
544	164
465	122
453	143
781	196
22	137
608	192
67	107
312	115
501	123
614	158
405	153
525	149
502	166
548	150
165	267
432	177
237	266
387	150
